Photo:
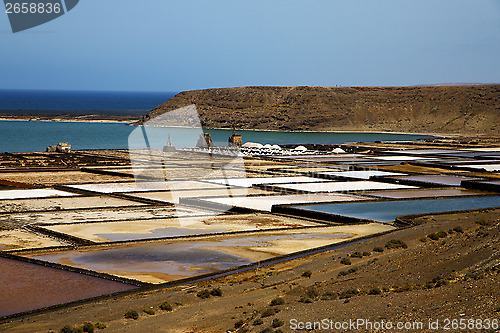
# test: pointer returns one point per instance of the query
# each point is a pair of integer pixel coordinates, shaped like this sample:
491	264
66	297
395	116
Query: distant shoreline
128	121
131	120
90	118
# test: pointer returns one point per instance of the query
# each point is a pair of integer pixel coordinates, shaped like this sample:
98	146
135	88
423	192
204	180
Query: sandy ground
467	263
98	215
265	203
22	239
175	196
179	226
289	244
50	204
33	193
248	247
146	186
343	186
49	178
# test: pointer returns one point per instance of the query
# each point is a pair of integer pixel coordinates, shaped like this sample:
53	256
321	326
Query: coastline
132	121
66	120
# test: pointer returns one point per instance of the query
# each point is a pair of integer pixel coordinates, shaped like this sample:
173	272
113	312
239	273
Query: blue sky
171	45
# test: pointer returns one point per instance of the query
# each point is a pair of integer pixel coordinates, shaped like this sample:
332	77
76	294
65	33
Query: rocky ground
468	110
444	268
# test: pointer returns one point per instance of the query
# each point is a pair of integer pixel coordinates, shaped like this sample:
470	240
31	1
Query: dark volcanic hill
468	110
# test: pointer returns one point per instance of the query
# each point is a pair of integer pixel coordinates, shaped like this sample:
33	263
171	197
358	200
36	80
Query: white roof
252	145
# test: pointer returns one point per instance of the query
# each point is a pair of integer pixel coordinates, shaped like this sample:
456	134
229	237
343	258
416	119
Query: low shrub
277	323
342	273
329	296
257	322
442	234
311	293
458	229
307	274
345	261
68	329
304	299
269	312
238	324
100	325
132	314
149	311
433	236
400	289
378	249
216	292
165	306
482	222
423	239
205	293
396	244
352	270
348	293
88	327
356	255
375	291
277	301
367	254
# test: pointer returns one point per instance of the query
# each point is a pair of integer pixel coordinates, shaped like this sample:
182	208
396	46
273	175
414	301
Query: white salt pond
249	182
176	196
144	186
169	260
487	167
265	203
33	193
397	158
98	215
175	227
343	186
63	203
364	174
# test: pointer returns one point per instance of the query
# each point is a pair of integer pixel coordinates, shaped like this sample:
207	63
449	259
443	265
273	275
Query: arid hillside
466	110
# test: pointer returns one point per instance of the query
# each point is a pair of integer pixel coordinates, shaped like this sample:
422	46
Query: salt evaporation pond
27	287
436	179
423	193
172	260
33	193
387	211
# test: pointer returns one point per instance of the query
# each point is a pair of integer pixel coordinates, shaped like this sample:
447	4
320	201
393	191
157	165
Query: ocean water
387	211
26	136
81	102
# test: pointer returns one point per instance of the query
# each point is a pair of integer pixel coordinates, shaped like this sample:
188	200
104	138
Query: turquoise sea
26	136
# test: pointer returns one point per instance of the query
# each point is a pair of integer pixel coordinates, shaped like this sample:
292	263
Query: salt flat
365	174
63	203
343	186
33	193
265	203
249	182
97	215
175	227
144	186
175	196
